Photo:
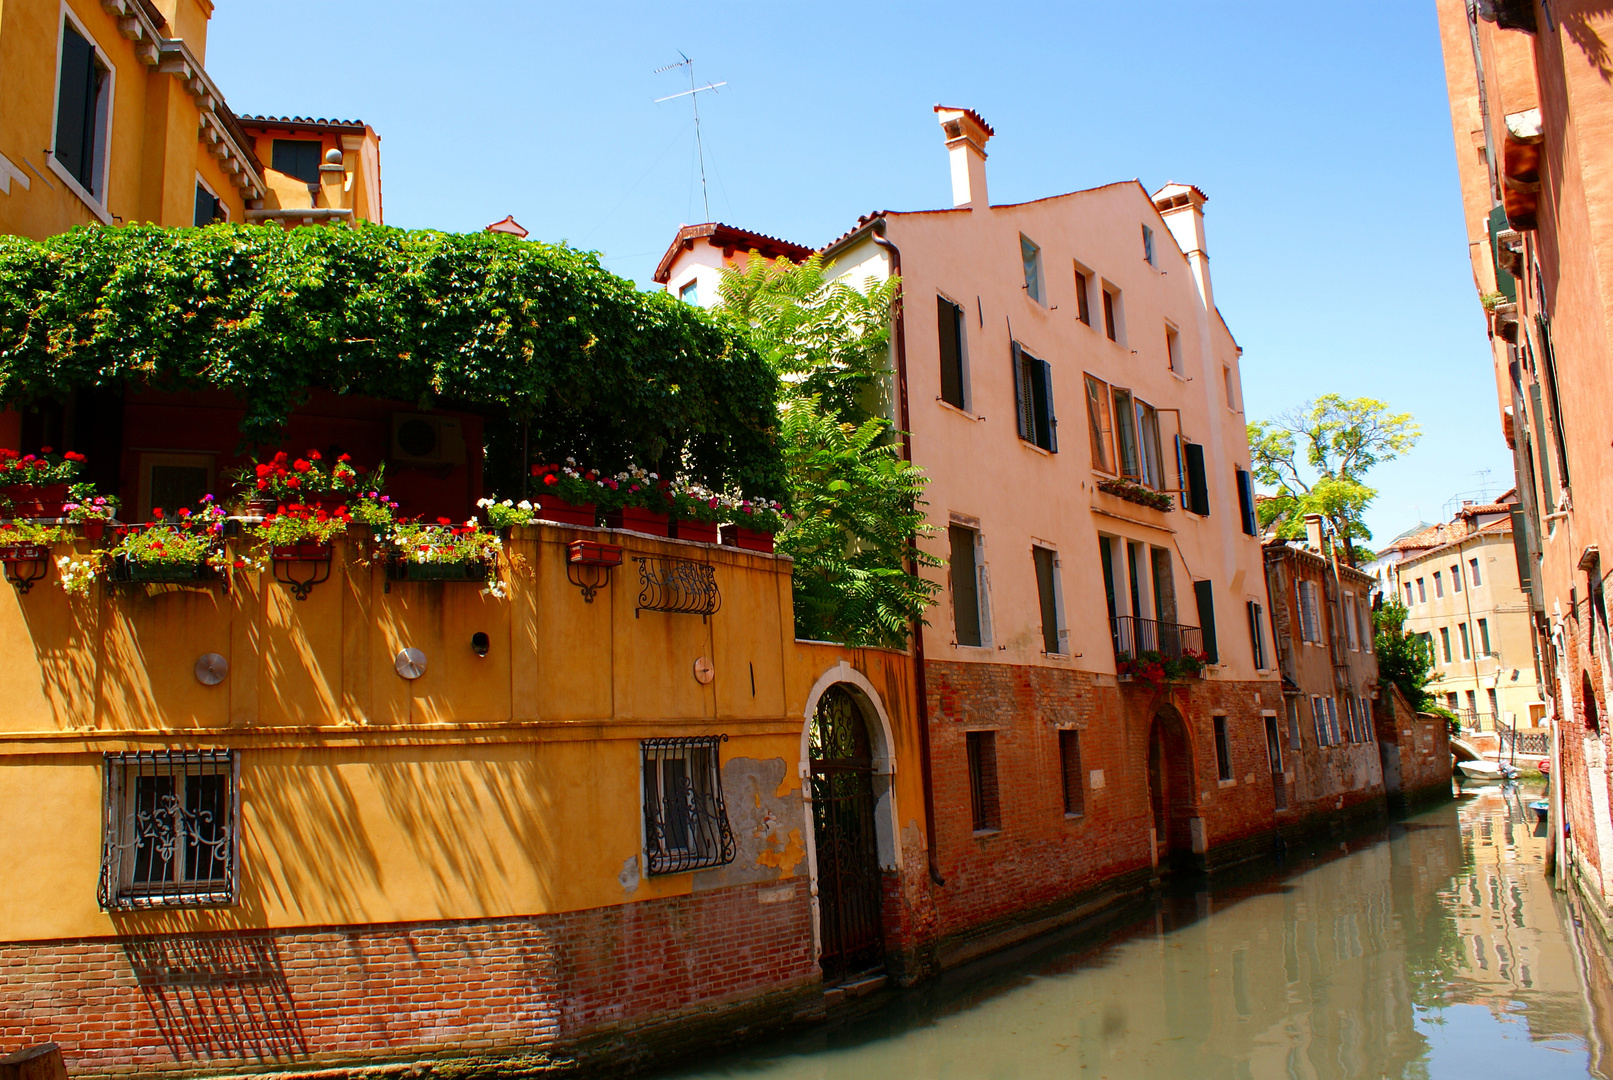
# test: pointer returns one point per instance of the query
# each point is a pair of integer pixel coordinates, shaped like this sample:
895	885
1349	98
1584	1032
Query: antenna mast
693	94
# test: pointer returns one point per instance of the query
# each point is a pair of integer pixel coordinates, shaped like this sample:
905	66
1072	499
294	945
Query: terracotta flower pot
555	509
34	500
701	532
747	539
637	519
94	530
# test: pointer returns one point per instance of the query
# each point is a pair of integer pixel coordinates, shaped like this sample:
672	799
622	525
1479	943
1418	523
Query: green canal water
1433	948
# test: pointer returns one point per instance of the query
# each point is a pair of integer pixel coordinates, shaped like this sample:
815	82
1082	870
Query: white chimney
966	135
1182	207
1313	531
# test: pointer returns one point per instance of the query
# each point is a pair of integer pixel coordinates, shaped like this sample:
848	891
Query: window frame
985	792
1223	750
93	197
689	291
1083	295
1439	585
319	157
1030	257
1456	579
1071	774
1484	637
121	844
1445	643
1473	578
1100	430
1148	247
218	203
1114	313
961	344
711	840
1038	421
1173	349
1257	639
982	621
1054	600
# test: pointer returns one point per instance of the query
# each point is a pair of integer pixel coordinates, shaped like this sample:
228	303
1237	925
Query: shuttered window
1257	635
1047	599
949	325
1083	303
207	207
1197	497
298	157
1099	425
1033	400
1309	626
965	585
79	110
1246	502
1204	593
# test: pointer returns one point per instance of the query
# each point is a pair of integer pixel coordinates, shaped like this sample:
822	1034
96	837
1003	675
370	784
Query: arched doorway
844	830
1171	791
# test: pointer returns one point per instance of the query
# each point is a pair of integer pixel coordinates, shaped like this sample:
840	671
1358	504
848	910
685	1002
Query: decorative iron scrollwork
316	557
171	836
35	557
680	586
685	818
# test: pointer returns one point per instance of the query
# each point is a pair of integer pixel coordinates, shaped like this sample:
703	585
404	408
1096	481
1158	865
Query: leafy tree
1404	659
1334	441
858	505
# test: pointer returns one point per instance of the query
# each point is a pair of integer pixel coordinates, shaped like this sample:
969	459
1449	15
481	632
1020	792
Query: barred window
685	820
171	832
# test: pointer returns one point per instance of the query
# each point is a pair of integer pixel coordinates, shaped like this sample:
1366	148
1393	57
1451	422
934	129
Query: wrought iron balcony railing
1134	636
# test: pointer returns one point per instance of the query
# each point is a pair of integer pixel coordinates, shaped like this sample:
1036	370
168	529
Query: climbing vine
538	337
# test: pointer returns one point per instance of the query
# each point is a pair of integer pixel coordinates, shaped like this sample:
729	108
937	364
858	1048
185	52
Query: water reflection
1435	948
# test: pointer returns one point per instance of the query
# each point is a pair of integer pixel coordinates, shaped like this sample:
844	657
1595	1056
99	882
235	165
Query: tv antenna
693	94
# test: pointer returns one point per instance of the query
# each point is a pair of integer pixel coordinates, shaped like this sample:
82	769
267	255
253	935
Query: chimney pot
966	135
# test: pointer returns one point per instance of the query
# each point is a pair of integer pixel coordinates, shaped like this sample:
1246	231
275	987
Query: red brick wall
1040	856
387	993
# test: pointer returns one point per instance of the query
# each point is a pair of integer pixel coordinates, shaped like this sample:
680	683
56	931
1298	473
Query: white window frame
1039	296
1173	349
963	353
122	831
1058	595
97	206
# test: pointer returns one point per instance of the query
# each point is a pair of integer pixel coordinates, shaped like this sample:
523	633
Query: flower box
1137	493
126	571
747	539
261	507
639	520
701	532
24	553
312	551
555	509
476	570
34	500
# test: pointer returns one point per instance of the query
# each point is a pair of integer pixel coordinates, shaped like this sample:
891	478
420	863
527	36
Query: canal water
1435	948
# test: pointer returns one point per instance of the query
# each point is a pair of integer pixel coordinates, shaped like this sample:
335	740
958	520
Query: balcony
1134	636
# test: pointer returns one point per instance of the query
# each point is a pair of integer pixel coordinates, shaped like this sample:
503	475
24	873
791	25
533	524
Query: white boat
1486	770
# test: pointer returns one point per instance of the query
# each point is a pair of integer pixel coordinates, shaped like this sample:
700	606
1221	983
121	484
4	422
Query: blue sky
1320	132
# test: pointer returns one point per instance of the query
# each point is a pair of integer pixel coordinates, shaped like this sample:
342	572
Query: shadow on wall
1577	25
218	997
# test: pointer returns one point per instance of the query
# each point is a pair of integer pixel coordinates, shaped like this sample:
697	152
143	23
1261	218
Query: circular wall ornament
703	671
211	669
411	663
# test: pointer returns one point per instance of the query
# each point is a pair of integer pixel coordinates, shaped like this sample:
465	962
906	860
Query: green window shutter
1204	593
948	319
1544	454
1022	397
1047	599
1198	488
1504	281
1047	421
76	105
1520	549
1549	355
1246	502
965	586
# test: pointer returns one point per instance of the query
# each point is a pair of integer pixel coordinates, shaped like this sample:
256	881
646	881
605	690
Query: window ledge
965	413
1226	783
1027	444
95	205
1178	376
1079	816
985	834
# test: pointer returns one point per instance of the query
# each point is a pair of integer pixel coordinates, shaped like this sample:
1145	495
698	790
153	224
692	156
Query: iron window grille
685	819
171	833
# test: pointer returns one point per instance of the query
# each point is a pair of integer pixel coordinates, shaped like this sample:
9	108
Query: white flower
484	503
524	504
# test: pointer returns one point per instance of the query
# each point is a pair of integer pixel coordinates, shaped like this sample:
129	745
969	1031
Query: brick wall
488	988
1418	745
1040	856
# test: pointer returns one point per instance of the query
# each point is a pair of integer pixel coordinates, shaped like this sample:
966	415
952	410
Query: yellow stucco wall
492	786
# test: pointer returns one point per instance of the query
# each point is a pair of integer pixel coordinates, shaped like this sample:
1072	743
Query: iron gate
848	852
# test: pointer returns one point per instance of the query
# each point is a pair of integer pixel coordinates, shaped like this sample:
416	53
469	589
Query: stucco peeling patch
630	877
765	814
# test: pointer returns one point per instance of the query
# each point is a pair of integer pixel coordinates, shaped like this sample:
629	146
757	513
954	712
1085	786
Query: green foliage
1403	659
1335	441
563	357
858	506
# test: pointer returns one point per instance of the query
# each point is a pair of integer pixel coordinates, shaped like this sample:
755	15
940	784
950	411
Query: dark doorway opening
849	887
1172	794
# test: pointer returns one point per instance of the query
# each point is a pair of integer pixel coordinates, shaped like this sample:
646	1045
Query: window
208	207
1467	651
1204	594
1451	702
1033	397
1148	245
171	837
1246	501
1196	498
1099	424
299	158
1047	594
1472	701
685	821
1136	426
1070	771
1363	633
1367	732
1484	637
1456	578
1408	594
171	481
1173	348
1348	603
1110	324
690	293
985	814
1031	255
1473	576
965	576
83	105
1348	732
1319	719
1083	298
1333	720
949	325
1257	638
1445	642
1292	704
1230	386
1439	585
1495	708
1422	593
1126	433
1223	752
1310	628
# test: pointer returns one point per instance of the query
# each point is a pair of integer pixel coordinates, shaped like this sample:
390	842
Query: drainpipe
920	688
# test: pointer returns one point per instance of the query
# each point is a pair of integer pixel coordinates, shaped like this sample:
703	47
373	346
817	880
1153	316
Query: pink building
1074	396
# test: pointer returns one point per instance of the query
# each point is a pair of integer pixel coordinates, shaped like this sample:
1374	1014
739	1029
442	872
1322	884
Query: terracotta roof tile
720	235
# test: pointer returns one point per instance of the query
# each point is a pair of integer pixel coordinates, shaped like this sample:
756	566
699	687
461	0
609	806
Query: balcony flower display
299	531
25	550
36	485
570	494
90	510
443	551
181	547
308	480
1158	668
1134	492
641	503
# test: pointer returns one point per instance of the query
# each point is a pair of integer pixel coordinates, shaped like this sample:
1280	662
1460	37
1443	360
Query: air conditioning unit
423	439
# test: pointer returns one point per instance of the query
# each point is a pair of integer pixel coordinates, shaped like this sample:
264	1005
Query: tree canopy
1404	659
537	334
1316	458
858	505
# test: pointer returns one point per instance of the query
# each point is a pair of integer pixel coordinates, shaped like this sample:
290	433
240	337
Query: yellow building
110	117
